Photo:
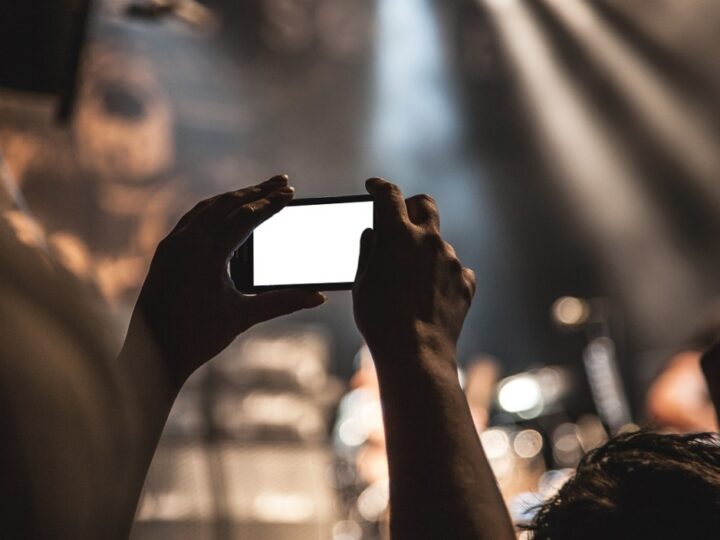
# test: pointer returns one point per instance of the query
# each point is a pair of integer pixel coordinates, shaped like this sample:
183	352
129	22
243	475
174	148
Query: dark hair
639	486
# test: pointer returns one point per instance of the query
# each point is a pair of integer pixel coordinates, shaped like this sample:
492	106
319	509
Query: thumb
367	242
269	305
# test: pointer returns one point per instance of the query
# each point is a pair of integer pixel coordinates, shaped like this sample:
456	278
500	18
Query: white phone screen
315	243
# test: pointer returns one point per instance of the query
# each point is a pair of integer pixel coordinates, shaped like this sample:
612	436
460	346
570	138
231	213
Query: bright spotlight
520	394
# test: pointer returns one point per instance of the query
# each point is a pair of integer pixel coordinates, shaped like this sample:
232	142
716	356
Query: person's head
639	486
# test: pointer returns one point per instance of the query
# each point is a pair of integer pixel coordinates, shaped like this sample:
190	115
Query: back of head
639	486
64	415
41	43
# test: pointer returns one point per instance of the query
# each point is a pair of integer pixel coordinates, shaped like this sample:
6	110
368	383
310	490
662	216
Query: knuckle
234	196
449	250
248	193
455	265
470	283
433	240
199	206
386	188
164	246
170	242
247	211
468	292
208	201
427	201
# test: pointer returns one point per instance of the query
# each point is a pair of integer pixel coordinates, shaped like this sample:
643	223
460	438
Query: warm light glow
519	394
346	530
495	442
374	500
528	443
274	507
570	311
353	432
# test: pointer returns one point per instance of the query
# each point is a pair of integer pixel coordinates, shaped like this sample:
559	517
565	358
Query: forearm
441	485
150	391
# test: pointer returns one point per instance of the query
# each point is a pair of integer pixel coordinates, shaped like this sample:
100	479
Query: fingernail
279	179
370	182
284	192
321	299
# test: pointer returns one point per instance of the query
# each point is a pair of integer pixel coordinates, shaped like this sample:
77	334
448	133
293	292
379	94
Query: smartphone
310	244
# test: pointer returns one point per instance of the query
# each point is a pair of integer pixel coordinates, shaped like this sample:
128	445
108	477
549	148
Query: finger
423	211
241	222
191	214
270	305
389	204
367	242
470	280
232	199
449	250
229	202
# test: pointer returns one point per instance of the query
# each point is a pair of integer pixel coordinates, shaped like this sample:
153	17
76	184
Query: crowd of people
81	423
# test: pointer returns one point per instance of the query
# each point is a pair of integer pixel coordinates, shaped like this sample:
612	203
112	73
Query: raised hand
411	297
188	302
411	291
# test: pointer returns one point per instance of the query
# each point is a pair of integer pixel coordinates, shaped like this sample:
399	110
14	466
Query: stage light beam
678	127
597	176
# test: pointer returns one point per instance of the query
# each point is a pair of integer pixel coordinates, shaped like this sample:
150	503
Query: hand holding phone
312	244
188	302
412	293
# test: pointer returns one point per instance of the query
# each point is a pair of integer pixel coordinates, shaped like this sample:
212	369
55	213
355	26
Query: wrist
424	350
142	356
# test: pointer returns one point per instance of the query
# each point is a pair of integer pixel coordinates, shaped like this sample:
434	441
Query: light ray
675	124
595	174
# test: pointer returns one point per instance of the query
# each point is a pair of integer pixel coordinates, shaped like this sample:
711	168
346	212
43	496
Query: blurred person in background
679	400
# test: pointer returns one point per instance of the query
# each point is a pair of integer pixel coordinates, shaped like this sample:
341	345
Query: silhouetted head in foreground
639	486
